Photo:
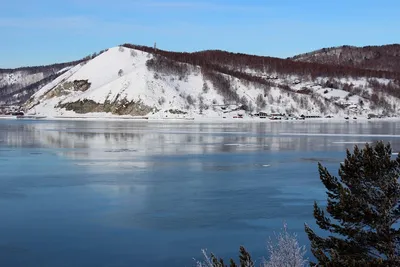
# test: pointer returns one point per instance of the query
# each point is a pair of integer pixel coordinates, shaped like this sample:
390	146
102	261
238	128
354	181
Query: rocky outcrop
122	107
67	87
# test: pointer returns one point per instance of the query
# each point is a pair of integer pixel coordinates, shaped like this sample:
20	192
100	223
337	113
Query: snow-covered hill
130	82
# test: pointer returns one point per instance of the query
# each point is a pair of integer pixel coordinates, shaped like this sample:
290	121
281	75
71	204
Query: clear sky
36	32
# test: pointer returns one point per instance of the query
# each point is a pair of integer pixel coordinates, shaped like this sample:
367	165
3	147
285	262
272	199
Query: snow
119	74
64	69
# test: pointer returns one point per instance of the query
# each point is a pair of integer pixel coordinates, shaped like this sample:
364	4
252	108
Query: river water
80	193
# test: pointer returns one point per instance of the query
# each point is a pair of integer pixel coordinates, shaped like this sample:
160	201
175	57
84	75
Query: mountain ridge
383	57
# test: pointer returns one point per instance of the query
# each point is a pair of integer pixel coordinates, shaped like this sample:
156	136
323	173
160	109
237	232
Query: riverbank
101	117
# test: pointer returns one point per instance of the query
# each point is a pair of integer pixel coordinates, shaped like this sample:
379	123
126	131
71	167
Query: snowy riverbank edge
200	119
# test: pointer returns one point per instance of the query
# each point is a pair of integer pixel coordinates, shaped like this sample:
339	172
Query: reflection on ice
334	160
121	150
131	141
342	134
352	142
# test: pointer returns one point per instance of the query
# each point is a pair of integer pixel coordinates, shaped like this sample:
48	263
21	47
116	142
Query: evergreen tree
364	210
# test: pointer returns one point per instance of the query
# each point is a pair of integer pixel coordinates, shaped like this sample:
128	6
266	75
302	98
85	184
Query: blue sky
47	31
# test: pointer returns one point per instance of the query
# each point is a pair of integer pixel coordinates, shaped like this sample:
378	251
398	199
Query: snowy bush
284	251
121	49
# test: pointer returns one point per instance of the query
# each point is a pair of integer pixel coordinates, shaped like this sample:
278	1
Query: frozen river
78	193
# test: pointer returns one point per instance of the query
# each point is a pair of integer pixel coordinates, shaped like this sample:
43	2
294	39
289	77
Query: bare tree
213	261
207	260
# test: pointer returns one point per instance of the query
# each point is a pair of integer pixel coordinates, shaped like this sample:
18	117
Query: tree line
238	62
385	57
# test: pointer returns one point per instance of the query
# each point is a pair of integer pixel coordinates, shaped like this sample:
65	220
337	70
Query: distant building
310	116
261	114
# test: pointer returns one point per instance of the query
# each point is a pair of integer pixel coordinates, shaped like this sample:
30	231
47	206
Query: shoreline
192	119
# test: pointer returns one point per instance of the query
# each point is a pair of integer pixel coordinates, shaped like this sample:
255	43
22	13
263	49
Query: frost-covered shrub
284	251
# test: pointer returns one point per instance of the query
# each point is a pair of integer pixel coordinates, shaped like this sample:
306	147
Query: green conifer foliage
362	212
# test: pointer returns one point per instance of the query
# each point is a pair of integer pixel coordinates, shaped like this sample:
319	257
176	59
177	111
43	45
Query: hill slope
137	81
17	85
386	57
